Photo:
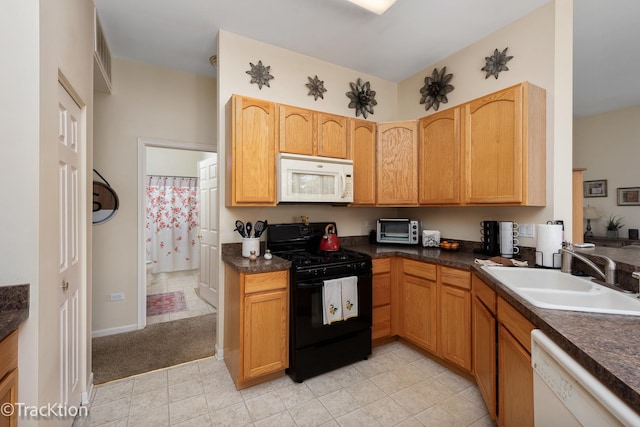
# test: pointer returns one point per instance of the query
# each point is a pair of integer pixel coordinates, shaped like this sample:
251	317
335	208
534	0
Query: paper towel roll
549	243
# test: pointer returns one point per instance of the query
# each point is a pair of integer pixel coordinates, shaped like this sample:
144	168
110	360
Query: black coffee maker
489	238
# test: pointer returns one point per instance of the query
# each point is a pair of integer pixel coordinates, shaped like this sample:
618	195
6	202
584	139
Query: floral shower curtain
172	224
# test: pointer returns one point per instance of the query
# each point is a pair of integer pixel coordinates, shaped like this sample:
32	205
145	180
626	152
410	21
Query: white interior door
208	174
70	143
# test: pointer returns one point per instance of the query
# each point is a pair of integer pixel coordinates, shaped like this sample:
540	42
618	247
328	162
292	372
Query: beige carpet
154	347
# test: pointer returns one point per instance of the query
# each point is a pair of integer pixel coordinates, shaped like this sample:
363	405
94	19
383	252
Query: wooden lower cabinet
436	310
381	327
420	304
455	316
256	329
484	342
515	374
9	378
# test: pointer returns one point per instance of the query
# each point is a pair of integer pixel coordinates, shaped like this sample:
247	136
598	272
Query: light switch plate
526	230
119	296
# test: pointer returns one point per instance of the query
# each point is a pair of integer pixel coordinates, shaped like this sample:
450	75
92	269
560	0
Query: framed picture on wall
629	196
596	188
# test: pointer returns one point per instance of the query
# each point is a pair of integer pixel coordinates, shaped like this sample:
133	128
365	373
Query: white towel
349	297
332	301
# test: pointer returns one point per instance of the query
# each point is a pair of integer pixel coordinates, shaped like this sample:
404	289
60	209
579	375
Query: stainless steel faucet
609	273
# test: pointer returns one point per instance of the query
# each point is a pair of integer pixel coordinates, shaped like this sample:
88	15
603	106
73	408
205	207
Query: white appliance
314	179
565	394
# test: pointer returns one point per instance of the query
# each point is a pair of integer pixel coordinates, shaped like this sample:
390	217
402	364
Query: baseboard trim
86	395
113	331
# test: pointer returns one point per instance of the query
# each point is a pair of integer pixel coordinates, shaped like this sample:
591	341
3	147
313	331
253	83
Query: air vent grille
102	58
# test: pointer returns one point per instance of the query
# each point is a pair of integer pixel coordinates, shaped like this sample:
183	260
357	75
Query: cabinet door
494	148
251	180
484	353
397	163
515	382
362	142
420	312
439	166
381	298
265	333
8	398
296	130
455	330
332	136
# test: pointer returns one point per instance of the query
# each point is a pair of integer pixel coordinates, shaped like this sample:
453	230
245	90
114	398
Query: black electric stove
315	348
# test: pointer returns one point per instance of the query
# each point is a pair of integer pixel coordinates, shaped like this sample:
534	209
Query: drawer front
455	277
484	293
516	323
266	281
381	265
419	269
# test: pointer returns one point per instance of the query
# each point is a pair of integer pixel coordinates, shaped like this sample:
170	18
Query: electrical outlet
119	296
527	230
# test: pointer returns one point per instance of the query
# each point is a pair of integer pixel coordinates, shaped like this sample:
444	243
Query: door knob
65	286
199	236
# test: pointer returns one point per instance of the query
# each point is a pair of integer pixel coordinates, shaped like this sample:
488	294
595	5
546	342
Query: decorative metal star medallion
496	63
260	74
362	98
435	89
316	88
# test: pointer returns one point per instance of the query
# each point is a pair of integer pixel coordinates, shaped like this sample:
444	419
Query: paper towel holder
557	256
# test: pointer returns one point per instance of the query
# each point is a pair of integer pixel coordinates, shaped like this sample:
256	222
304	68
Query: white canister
430	238
250	244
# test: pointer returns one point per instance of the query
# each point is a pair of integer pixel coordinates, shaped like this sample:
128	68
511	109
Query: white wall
149	102
608	145
19	123
171	162
47	40
533	60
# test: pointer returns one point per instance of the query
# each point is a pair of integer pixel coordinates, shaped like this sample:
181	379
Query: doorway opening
175	211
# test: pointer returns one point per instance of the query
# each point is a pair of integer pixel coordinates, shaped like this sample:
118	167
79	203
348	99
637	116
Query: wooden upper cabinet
332	135
397	163
312	133
439	165
505	147
251	179
362	143
296	130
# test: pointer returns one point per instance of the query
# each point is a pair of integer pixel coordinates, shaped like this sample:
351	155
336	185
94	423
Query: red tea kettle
329	241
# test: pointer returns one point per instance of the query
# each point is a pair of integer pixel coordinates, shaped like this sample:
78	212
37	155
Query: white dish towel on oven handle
349	297
332	301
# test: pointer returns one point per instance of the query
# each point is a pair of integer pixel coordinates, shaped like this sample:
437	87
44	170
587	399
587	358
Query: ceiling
409	37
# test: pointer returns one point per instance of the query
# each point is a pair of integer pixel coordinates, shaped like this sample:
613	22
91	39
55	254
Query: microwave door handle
343	181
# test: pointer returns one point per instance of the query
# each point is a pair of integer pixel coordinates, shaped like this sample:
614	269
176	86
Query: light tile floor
396	386
186	281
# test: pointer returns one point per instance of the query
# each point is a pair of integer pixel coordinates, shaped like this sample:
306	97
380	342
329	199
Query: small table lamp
589	214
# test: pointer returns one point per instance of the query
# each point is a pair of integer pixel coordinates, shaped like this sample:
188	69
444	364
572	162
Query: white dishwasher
565	394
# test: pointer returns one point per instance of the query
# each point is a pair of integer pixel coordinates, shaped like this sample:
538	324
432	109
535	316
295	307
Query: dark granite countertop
607	345
14	308
232	255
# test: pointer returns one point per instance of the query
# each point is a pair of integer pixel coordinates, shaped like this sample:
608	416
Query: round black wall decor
105	201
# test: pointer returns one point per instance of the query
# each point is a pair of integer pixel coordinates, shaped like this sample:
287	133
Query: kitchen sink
553	289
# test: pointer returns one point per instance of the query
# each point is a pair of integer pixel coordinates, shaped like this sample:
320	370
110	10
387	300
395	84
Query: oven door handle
310	285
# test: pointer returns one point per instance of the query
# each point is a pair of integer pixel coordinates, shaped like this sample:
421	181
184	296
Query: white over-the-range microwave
313	179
